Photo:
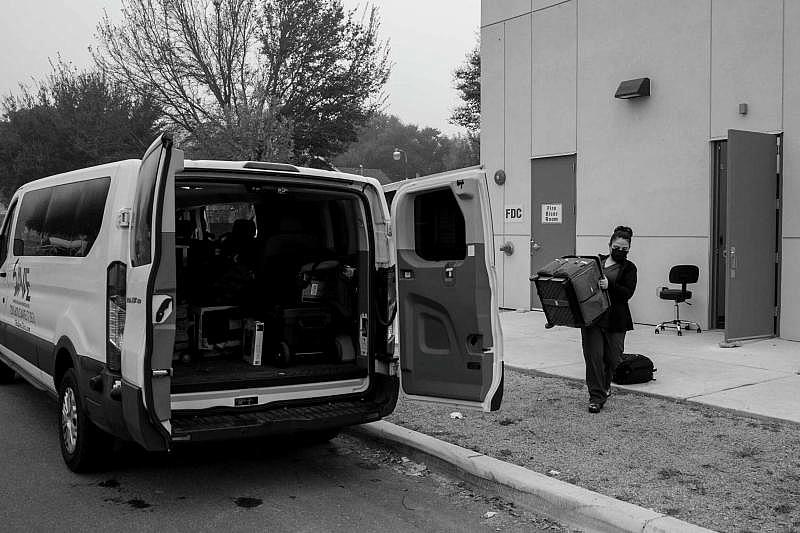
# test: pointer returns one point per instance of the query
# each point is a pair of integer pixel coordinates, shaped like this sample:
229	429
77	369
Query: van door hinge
777	311
162	373
777	257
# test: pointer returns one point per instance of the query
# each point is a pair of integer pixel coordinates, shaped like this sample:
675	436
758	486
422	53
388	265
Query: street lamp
396	156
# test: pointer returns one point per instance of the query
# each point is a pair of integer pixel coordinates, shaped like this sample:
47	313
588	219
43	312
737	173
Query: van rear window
63	220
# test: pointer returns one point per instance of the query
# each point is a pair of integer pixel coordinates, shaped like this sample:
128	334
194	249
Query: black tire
7	374
83	446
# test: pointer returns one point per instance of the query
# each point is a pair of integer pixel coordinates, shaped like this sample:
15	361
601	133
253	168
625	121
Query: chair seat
674	294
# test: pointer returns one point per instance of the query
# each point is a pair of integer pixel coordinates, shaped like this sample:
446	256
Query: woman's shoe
595	407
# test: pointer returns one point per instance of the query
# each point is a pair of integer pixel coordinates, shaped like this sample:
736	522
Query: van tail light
115	314
387	309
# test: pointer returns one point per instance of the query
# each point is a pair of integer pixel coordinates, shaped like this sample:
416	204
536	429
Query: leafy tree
468	83
73	119
427	151
251	79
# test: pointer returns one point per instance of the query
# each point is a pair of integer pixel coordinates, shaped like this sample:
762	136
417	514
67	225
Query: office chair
682	274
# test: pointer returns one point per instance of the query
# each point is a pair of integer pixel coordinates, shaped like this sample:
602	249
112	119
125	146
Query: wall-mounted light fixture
633	88
743	109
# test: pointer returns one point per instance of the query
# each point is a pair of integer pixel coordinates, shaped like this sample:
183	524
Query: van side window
5	236
143	209
63	220
439	227
30	224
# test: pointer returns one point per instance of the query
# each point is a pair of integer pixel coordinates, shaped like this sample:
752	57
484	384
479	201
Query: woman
604	341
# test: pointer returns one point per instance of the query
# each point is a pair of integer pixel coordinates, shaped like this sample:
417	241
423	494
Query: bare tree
252	79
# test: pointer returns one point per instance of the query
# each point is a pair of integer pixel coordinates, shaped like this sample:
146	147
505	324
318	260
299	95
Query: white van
166	301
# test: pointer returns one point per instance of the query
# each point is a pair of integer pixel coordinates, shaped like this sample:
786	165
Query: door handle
163	308
535	246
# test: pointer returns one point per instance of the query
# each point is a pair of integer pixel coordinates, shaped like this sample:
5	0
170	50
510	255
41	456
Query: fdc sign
515	213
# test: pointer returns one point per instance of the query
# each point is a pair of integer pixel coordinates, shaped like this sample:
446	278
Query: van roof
279	168
110	169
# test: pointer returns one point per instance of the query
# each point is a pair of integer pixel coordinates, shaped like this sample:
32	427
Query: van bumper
278	420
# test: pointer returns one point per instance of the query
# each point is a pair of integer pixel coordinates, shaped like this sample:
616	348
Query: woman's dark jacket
618	317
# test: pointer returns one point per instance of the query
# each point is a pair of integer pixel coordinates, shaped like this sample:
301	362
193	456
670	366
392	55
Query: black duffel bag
633	368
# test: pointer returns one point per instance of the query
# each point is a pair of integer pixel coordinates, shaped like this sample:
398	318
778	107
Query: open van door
451	344
149	334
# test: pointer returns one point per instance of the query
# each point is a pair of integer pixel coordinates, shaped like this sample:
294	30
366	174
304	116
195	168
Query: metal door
751	236
552	213
451	345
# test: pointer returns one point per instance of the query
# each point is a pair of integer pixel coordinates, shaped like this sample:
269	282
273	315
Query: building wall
645	163
790	243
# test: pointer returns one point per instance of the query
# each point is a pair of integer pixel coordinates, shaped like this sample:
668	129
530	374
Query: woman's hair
621	232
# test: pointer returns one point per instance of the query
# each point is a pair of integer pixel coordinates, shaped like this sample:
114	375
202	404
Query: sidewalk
760	377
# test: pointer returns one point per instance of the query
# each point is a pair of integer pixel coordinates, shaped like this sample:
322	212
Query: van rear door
451	345
149	336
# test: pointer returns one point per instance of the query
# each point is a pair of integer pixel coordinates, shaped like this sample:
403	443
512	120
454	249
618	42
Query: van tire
6	374
83	445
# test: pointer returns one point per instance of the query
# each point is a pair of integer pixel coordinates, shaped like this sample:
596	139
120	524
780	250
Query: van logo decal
133	300
22	287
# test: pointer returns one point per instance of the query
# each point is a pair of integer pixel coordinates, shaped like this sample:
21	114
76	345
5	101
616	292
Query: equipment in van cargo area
217	328
253	341
569	292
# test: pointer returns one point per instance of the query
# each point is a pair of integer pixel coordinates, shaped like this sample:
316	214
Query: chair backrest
684	274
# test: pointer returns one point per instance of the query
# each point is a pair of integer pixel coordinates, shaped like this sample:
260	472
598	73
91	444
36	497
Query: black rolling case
633	368
569	292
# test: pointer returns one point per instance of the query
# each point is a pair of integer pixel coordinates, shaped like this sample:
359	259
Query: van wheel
83	445
6	373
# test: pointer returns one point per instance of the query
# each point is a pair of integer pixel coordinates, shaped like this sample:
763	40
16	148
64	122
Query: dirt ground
699	464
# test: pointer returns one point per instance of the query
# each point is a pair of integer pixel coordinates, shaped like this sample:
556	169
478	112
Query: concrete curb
568	504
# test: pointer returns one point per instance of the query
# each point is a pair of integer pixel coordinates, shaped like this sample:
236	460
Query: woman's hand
603	283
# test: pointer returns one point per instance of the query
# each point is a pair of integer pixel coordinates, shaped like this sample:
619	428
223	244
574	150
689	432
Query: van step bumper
207	427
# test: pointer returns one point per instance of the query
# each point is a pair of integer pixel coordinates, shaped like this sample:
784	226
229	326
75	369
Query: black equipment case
633	368
569	291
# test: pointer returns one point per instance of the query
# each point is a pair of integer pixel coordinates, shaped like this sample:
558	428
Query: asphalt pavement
261	485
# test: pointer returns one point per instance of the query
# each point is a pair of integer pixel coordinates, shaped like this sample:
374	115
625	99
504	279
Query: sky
428	40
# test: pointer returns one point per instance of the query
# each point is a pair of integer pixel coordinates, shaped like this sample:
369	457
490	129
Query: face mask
618	255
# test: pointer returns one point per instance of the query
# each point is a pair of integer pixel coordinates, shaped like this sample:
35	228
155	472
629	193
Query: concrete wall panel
554	80
746	65
542	4
791	122
493	11
790	288
518	125
517	273
790	276
643	162
493	114
654	256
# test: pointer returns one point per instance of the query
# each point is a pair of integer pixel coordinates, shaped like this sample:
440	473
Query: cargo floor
222	374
